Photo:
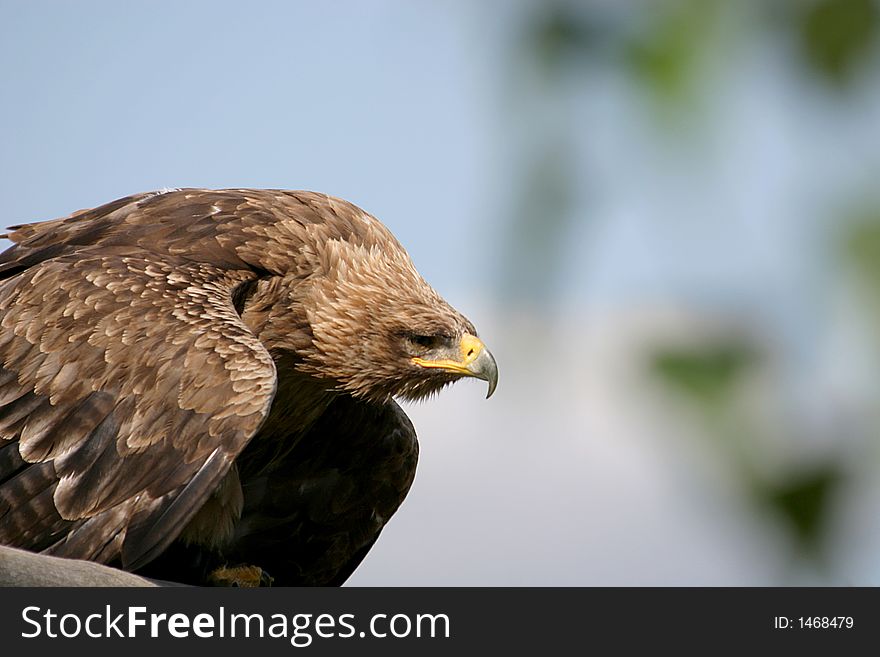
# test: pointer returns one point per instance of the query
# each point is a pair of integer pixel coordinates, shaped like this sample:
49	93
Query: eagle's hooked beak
473	360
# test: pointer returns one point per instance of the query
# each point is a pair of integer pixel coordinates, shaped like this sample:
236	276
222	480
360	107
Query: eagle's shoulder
269	230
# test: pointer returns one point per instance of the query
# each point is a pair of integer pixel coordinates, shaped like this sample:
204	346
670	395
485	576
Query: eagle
199	385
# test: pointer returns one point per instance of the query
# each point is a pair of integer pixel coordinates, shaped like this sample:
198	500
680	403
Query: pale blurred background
663	216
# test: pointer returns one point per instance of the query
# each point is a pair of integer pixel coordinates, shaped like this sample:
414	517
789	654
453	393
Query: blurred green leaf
706	375
862	246
837	35
666	54
804	500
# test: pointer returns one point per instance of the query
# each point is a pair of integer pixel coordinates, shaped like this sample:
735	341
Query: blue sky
373	102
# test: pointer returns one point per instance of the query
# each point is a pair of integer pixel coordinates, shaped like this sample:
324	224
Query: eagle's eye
428	342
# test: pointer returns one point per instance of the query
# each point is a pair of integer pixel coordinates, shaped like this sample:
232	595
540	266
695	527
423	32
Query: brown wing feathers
128	385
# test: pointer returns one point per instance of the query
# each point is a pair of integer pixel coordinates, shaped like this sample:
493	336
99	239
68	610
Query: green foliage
665	56
862	246
664	46
838	35
709	378
804	501
706	375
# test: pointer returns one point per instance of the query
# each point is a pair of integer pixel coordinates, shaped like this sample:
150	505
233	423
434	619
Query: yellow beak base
475	360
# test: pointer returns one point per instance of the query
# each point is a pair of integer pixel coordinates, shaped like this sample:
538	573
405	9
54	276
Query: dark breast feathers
168	397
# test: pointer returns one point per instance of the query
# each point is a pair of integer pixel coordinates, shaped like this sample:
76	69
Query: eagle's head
378	330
